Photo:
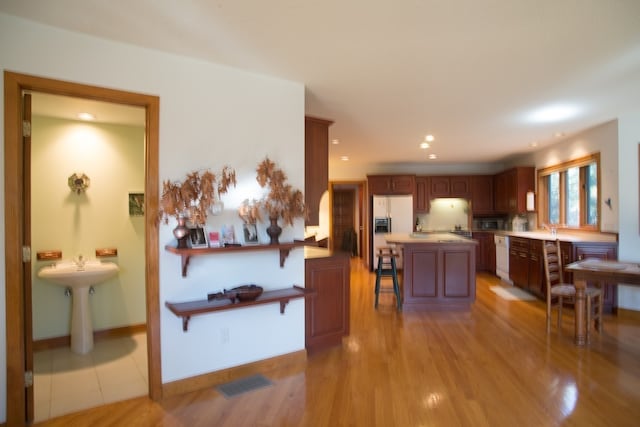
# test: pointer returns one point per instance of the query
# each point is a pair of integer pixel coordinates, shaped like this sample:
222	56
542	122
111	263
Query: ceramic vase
274	230
181	232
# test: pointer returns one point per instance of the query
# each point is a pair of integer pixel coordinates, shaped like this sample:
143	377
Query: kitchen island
439	270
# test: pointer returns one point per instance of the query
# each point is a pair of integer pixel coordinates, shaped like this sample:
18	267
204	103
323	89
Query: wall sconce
531	203
78	182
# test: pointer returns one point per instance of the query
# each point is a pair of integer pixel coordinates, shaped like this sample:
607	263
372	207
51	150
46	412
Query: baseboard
218	377
65	341
625	313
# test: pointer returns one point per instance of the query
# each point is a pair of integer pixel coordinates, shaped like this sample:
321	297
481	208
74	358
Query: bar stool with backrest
556	289
387	267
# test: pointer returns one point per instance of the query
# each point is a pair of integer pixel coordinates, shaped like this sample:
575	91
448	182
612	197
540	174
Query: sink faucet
552	229
80	261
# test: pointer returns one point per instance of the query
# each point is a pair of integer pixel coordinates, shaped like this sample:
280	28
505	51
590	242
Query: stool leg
378	275
396	286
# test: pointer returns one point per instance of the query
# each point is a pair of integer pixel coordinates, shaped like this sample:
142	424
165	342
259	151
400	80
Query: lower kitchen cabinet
327	313
526	266
485	251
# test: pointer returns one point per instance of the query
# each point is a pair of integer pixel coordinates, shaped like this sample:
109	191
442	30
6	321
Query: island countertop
427	238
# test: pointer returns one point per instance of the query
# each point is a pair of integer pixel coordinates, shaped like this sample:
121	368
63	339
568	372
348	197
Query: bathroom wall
112	156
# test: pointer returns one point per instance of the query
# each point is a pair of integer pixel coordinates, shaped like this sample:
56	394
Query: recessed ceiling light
433	156
429	138
558	134
533	144
344	158
335	141
424	145
86	116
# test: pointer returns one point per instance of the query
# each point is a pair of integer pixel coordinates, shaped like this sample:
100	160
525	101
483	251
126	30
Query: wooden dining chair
566	292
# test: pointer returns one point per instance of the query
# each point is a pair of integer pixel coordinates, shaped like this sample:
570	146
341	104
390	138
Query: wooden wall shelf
187	309
187	253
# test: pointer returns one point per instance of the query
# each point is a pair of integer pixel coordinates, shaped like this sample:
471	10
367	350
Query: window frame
561	168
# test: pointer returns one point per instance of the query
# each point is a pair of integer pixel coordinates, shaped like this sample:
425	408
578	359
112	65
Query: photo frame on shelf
197	237
250	232
136	204
227	234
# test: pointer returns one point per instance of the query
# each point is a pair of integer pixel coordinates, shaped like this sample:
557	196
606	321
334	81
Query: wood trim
14	85
105	334
581	161
296	359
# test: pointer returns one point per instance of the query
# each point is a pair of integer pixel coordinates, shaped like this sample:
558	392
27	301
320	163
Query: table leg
580	331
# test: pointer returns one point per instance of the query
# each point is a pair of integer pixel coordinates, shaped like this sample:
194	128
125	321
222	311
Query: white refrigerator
399	209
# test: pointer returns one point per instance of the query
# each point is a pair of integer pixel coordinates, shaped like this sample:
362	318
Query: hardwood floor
494	365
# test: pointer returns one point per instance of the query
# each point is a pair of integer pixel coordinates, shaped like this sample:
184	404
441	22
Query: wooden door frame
14	85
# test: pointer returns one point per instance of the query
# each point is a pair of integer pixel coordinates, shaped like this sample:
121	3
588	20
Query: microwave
382	225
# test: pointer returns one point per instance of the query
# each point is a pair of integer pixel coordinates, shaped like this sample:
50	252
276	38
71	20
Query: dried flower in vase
193	197
282	200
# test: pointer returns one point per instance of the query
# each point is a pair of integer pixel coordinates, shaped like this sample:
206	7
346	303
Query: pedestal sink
79	277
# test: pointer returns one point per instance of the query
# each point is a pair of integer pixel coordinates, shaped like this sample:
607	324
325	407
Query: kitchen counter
575	237
439	270
424	238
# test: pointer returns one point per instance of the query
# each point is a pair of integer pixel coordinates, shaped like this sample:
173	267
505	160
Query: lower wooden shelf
190	308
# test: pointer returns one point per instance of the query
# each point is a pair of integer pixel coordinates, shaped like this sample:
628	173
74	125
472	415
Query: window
568	193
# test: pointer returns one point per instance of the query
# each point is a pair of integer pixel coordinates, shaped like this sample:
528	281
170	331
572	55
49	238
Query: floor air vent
243	385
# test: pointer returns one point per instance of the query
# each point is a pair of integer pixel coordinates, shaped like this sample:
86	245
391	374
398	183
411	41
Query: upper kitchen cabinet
511	188
316	164
421	200
482	194
450	186
391	184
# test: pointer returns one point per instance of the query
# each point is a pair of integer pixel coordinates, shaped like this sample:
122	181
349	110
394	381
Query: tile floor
65	382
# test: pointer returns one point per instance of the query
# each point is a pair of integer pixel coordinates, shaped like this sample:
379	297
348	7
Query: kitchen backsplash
446	214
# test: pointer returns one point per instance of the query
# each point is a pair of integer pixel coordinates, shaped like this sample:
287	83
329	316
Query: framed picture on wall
136	204
197	237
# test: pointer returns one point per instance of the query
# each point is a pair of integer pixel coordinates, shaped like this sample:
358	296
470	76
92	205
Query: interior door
343	219
26	212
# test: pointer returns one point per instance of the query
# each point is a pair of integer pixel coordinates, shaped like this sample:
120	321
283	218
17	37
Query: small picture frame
197	237
250	232
227	234
136	204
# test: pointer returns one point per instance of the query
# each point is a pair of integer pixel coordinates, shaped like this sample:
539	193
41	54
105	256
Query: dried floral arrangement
249	211
282	200
193	197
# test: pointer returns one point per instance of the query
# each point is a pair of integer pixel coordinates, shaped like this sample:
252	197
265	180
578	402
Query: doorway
17	240
347	217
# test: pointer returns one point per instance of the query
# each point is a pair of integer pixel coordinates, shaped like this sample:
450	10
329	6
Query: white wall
210	115
112	156
629	175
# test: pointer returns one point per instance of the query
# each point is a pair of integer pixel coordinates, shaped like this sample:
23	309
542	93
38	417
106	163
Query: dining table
598	271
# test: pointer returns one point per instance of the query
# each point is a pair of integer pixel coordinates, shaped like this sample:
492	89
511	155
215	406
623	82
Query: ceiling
474	74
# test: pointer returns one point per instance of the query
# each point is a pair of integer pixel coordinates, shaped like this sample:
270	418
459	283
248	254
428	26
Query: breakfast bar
438	270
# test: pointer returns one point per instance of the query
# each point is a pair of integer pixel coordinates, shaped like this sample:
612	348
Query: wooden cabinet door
403	184
519	261
422	194
459	186
485	251
327	312
391	184
482	194
440	186
500	199
316	165
537	278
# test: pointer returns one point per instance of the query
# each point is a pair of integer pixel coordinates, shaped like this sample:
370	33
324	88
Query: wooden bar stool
387	268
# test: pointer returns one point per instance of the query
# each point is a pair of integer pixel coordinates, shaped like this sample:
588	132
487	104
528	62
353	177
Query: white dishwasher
502	257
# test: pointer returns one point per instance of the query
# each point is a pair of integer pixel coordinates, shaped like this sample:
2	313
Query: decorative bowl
247	292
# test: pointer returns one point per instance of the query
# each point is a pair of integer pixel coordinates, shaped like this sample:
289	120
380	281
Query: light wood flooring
493	365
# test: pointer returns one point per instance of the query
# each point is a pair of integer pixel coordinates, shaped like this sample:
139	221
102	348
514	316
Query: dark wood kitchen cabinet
422	194
391	184
482	194
327	276
316	165
450	186
510	189
485	251
519	261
